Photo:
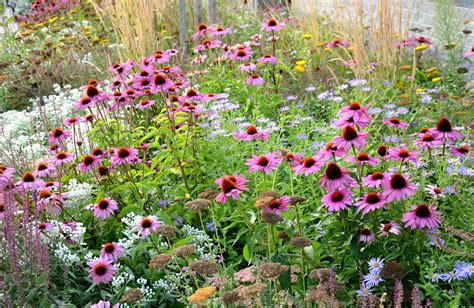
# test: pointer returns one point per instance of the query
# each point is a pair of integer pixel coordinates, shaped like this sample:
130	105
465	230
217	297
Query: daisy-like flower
160	57
104	304
272	25
444	130
242	54
104	208
350	137
265	163
199	59
111	251
435	191
6	176
376	265
28	181
255	80
45	226
248	67
363	158
401	154
422	216
371	202
375	180
361	121
220	31
44	169
372	279
382	151
428	140
326	152
366	236
293	159
231	186
252	133
279	205
73	120
395	122
389	227
267	58
364	291
354	110
307	166
84	103
148	224
161	83
101	270
88	162
335	178
398	188
145	103
337	43
98	153
62	158
202	30
337	200
57	135
124	155
460	151
121	70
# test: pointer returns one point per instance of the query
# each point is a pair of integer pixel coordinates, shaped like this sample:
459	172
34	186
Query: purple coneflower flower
272	25
371	202
104	304
460	151
350	137
101	270
435	191
161	83
267	58
326	152
121	70
389	227
375	180
398	188
57	135
428	141
444	130
6	176
146	224
242	54
45	226
335	177
44	169
252	133
28	181
248	67
255	80
231	186
363	158
279	205
307	166
124	155
62	158
354	110
104	208
111	251
265	163
88	162
395	122
366	236
401	154
220	31
422	216
337	200
73	120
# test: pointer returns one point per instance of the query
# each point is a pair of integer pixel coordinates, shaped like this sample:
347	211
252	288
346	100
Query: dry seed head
208	194
230	297
297	199
198	204
204	267
131	296
251	290
166	230
159	260
184	251
202	295
300	242
321	274
270	217
392	271
272	270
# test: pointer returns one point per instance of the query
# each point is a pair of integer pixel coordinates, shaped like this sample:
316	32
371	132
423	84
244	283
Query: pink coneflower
43	169
84	103
101	270
73	120
337	43
350	137
231	186
98	153
293	159
375	180
190	107
62	158
145	103
88	162
279	205
337	200
241	54
202	29
395	122
389	227
404	155
366	236
252	133
121	70
57	135
382	150
160	57
161	83
460	151
422	216
96	95
272	25
469	53
307	166
104	208
428	140
111	251
444	130
363	158
248	67
28	181
191	95
6	176
435	191
354	110
398	188
370	202
147	224
336	178
255	80
104	304
220	31
124	155
199	59
267	58
45	226
330	149
265	163
49	201
361	121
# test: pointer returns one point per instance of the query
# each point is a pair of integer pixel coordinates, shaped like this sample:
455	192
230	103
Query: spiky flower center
274	204
398	181
403	153
309	162
251	130
100	269
228	185
263	161
43	193
92	91
463	149
366	232
395	121
272	22
57	132
42	166
337	196
363	157
88	160
103	204
333	172
382	150
422	211
349	133
354	106
61	155
159	79
444	125
109	248
372	198
28	177
123	152
428	138
377	176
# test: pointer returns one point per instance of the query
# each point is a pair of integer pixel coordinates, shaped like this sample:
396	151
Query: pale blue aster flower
376	264
372	279
364	291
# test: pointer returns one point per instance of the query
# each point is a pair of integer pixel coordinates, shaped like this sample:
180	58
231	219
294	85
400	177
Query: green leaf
246	253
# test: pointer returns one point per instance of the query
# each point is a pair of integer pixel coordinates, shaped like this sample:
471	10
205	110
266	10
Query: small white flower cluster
131	231
78	194
203	242
121	277
63	253
66	232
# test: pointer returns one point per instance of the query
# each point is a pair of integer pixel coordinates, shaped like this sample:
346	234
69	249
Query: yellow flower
300	69
301	62
187	196
421	47
307	36
51	20
431	69
327	49
420	90
404	95
437	79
